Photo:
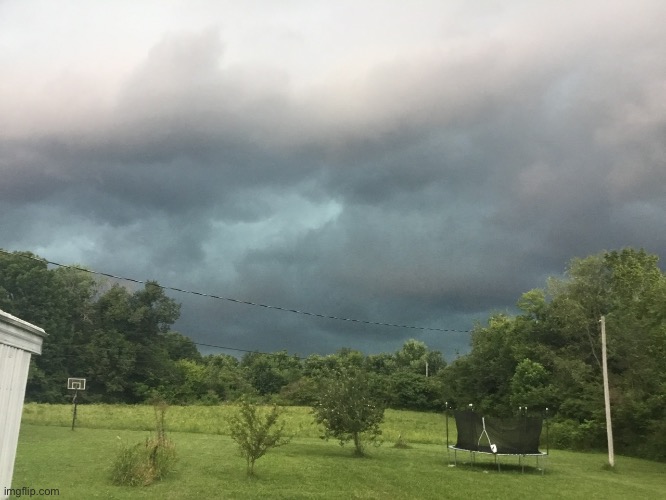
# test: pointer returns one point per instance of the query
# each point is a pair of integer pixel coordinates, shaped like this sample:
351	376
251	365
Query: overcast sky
421	163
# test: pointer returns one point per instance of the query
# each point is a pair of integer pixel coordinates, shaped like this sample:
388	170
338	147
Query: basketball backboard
78	384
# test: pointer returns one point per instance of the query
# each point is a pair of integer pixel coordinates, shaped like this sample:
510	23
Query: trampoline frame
521	464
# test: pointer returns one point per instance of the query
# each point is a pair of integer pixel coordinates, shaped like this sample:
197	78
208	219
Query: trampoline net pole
446	416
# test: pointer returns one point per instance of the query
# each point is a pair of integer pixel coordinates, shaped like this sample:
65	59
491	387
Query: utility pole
604	363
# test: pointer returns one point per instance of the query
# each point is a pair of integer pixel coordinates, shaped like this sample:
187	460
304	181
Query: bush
571	435
143	463
301	392
401	443
406	390
128	469
655	447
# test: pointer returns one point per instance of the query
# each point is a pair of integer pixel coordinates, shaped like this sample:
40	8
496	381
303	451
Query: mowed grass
78	463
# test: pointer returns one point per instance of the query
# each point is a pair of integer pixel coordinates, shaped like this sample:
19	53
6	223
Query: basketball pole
604	360
76	392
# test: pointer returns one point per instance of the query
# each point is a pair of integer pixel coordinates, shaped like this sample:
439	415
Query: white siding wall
14	365
18	340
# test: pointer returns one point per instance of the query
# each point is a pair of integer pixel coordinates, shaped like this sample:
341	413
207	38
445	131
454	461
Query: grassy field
414	426
50	455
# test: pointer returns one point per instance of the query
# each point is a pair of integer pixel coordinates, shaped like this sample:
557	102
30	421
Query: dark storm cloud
428	188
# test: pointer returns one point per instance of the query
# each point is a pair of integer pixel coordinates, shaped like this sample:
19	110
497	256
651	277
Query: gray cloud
427	186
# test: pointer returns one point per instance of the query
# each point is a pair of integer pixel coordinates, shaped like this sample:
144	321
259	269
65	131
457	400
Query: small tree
255	434
347	410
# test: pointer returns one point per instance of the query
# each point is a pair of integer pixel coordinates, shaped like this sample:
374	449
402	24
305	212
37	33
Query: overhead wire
187	340
237	301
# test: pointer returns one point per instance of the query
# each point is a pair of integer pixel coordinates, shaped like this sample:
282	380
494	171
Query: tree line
546	357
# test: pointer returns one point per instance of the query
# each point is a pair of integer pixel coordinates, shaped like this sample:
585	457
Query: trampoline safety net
503	436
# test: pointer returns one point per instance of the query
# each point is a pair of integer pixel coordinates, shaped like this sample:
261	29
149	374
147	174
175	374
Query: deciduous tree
255	434
347	409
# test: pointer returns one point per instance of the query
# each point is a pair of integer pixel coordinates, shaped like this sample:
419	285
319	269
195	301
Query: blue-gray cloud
427	188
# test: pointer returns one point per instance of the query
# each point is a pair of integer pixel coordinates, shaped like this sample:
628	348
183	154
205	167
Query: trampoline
500	437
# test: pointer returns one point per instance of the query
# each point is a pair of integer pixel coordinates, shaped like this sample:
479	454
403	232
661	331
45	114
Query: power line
184	341
239	301
234	349
187	340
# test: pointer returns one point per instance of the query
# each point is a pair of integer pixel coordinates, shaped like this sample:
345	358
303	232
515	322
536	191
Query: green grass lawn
50	455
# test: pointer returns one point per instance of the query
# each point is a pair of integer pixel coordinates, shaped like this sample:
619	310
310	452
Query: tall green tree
58	300
117	338
263	373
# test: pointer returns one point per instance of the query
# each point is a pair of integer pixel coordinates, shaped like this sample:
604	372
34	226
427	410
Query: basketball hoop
76	385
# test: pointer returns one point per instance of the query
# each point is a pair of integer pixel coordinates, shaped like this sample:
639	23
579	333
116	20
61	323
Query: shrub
129	466
401	443
145	463
655	448
301	392
572	435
